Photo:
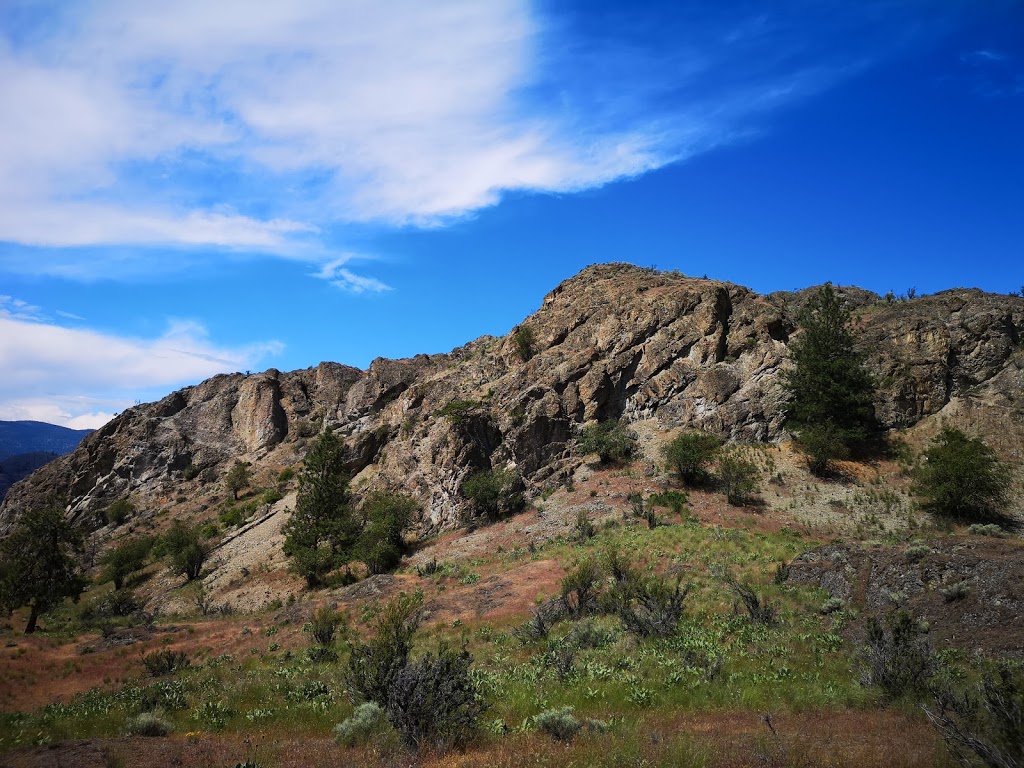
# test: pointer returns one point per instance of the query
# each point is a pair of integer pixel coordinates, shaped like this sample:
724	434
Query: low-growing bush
758	608
148	724
367	722
739	477
917	552
119	512
986	529
373	665
494	493
956	591
323	625
544	616
688	455
165	661
560	724
126	558
612	441
581	586
674	500
652	607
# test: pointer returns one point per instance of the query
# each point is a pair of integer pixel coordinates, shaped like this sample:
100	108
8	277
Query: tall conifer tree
831	408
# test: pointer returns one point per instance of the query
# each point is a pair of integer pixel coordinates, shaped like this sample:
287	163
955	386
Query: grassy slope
252	694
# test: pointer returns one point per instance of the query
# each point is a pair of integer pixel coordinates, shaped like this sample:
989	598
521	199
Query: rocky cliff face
659	349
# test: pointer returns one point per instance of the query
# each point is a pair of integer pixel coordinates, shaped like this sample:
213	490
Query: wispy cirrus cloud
339	275
53	373
264	127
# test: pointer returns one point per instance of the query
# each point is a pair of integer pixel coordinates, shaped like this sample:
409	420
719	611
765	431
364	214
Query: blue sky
192	188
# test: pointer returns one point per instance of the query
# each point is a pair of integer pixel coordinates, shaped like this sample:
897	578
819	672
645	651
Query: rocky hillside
662	350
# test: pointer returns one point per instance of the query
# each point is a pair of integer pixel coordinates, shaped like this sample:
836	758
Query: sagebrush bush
165	661
560	724
898	656
148	724
323	625
758	608
985	723
366	722
917	552
435	700
581	586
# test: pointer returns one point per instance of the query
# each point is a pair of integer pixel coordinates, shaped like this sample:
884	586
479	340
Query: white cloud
338	275
53	373
259	126
398	112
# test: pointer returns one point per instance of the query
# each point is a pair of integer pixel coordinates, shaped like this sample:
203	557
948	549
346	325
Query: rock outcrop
614	341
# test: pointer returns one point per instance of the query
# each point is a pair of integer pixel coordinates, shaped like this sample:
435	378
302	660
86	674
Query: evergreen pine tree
39	563
831	407
322	532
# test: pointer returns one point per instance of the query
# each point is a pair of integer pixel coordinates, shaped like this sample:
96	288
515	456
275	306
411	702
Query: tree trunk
32	616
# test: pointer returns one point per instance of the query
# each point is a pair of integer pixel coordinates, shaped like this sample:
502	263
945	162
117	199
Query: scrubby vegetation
612	441
962	478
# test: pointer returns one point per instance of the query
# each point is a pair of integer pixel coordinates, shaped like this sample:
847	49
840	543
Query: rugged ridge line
661	350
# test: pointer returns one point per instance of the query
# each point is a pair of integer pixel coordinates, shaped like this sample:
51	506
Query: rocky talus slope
662	350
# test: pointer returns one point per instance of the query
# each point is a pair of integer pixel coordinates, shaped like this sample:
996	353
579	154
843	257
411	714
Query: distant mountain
25	446
17	437
14	468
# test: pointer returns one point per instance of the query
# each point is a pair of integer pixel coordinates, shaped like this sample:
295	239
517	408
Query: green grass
717	661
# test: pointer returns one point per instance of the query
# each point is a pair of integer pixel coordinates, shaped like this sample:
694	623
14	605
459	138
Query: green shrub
494	493
165	662
367	723
560	724
285	475
381	543
125	559
584	527
238	477
271	496
688	455
524	339
148	724
917	552
650	607
373	664
962	478
832	605
673	500
457	411
956	591
831	405
581	586
739	477
612	441
119	511
186	548
323	625
986	529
